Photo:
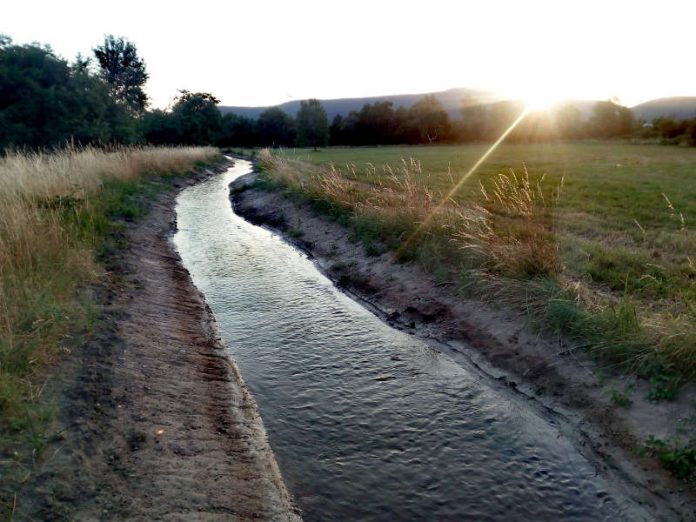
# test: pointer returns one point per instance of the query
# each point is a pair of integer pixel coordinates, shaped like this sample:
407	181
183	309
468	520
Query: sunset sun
540	97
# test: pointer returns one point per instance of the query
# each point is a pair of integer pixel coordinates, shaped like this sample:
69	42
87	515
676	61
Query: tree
611	120
430	119
197	117
337	131
160	128
275	127
237	131
46	102
312	125
569	121
475	122
124	71
377	123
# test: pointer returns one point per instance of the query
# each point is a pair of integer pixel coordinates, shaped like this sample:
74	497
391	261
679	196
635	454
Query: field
595	241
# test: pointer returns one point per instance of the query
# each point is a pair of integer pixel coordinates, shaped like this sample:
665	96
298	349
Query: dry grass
52	219
81	172
509	232
512	230
504	244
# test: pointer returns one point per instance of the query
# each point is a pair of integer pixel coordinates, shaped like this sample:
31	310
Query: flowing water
367	422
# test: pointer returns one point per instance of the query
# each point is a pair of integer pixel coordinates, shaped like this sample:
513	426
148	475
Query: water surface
366	422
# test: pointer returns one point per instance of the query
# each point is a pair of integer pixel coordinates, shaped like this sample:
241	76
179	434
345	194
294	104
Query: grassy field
60	214
596	241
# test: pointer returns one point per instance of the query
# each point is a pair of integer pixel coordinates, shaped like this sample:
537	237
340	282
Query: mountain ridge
452	101
679	107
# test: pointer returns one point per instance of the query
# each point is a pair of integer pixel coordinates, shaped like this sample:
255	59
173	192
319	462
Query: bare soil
562	383
154	419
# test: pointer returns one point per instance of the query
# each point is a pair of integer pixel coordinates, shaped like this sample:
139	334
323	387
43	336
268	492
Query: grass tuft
512	230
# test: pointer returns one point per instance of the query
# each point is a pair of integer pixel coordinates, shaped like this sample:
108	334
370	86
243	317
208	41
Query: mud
154	419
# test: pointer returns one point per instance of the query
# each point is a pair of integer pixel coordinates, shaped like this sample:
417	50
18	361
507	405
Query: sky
263	52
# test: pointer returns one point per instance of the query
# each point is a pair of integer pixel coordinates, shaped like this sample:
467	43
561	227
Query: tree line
671	131
46	101
427	122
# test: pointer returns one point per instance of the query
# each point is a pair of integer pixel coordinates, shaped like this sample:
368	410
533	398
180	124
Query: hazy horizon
268	53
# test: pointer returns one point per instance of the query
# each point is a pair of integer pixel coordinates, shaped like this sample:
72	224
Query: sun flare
537	100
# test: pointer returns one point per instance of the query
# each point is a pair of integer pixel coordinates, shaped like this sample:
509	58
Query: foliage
621	398
672	132
611	120
664	384
197	117
237	131
429	119
124	71
275	128
46	102
680	460
312	125
160	128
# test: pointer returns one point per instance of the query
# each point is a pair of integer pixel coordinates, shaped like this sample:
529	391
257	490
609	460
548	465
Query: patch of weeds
265	184
663	378
365	230
374	249
680	460
664	385
331	209
295	233
22	420
621	268
620	398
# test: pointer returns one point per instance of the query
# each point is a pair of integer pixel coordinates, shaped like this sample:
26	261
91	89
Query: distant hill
681	107
451	100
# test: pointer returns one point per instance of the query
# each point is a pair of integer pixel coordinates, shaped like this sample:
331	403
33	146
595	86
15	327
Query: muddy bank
559	382
154	419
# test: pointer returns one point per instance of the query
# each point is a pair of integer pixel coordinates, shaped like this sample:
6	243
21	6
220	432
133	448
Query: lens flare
459	183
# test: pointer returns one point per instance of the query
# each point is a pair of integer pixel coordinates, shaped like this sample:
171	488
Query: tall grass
512	229
55	210
502	245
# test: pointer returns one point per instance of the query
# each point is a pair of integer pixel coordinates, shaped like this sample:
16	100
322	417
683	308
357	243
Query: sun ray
459	183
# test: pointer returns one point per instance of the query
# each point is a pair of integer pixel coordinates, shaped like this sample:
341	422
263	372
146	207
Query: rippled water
368	423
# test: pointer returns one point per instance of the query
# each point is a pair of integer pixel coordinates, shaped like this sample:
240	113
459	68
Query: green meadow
592	240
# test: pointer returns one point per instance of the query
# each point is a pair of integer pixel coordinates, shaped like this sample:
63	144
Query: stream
367	422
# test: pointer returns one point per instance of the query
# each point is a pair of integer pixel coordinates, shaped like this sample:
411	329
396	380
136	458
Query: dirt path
560	383
155	422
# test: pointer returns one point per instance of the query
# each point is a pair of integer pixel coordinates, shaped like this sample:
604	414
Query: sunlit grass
592	240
